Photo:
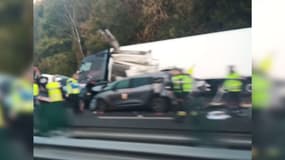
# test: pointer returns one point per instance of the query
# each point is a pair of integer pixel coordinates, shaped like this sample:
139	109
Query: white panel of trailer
210	53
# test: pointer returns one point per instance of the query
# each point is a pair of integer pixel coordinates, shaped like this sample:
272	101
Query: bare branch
70	14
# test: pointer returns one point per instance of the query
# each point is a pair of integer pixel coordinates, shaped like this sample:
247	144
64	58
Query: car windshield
94	67
122	84
85	67
137	82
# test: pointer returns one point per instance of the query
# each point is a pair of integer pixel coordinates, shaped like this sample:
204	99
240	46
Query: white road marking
132	117
131	135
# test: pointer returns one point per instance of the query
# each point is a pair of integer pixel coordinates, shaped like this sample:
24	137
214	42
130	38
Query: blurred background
87	52
268	80
16	45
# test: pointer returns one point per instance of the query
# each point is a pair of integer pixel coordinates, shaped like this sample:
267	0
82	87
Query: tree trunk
79	54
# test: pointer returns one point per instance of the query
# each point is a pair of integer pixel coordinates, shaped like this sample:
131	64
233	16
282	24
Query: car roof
155	75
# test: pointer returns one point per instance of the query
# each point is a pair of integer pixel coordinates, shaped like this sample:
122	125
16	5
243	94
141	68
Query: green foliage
58	63
15	36
131	21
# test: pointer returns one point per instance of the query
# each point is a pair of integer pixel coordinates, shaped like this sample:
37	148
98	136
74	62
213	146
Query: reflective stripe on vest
36	89
54	92
72	86
233	83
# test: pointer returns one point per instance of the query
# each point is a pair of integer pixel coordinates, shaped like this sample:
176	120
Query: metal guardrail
62	148
225	140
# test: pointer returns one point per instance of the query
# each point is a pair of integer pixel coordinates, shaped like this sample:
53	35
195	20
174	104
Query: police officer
266	124
21	109
54	91
260	91
73	91
233	86
54	112
36	93
182	86
260	101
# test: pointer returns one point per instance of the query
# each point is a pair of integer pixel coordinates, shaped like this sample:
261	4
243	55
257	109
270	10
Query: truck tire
159	104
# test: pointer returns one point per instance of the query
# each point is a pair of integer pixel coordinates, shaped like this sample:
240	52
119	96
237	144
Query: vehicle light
181	113
217	115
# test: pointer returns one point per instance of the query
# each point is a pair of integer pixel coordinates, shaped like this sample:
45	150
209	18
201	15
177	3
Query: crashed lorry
107	66
206	55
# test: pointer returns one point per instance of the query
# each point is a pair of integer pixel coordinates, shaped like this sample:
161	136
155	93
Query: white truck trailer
210	54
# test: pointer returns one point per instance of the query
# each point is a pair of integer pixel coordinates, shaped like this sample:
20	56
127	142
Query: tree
15	36
69	28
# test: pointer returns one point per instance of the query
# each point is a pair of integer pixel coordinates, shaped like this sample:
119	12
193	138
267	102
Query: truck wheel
101	106
159	104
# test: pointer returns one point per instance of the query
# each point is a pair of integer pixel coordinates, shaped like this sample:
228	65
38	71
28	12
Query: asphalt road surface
199	122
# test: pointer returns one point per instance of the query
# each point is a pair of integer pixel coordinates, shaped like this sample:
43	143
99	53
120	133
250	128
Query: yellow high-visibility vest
182	83
36	90
2	123
54	92
72	86
261	91
233	83
22	97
